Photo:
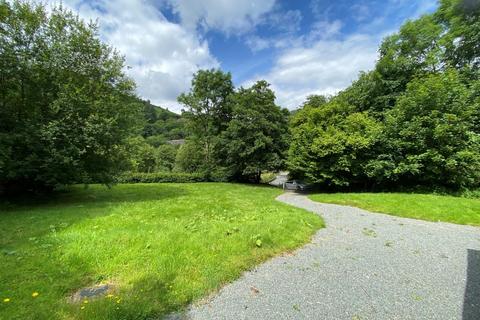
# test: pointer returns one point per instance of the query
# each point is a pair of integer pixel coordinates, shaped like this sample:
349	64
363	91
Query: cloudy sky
301	47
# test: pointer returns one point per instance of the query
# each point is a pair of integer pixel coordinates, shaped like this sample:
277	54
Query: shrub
267	177
155	177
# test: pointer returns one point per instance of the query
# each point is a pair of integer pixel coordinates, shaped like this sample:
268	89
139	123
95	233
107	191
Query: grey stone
90	293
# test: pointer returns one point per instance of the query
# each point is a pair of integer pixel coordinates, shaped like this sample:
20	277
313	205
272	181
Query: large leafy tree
208	109
66	106
330	143
430	135
256	136
462	41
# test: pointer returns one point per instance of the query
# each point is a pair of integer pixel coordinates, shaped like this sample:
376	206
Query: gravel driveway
361	266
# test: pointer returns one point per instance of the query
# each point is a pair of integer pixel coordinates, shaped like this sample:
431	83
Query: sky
301	47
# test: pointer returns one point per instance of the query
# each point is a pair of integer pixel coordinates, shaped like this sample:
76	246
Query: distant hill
162	124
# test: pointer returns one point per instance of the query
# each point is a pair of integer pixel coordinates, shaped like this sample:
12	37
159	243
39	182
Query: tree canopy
412	120
241	132
66	105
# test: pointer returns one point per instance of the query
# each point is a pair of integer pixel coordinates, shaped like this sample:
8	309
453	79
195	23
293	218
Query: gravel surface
361	266
280	179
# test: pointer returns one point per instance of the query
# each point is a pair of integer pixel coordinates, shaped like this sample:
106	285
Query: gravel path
361	266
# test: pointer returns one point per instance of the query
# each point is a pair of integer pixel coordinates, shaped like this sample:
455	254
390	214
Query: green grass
161	245
428	207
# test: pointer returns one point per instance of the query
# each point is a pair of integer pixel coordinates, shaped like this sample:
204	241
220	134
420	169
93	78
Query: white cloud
284	26
325	61
228	16
162	56
324	29
324	67
361	11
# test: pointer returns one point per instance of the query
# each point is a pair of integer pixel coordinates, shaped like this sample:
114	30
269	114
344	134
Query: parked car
295	185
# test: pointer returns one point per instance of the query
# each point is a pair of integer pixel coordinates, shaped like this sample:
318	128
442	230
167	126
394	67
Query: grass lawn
161	245
418	206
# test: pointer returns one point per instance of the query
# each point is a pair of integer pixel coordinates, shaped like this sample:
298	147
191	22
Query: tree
165	157
315	101
413	120
256	137
413	51
142	156
462	41
66	107
430	136
208	109
189	157
329	144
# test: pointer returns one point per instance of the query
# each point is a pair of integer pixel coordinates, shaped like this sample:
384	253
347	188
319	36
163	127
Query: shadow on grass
97	195
471	302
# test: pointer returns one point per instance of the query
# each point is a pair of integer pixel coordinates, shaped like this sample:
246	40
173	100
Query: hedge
138	177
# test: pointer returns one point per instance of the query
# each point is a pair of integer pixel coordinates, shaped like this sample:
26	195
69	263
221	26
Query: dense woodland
69	114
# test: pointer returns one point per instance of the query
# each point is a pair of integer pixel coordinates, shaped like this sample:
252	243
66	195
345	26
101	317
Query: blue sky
301	47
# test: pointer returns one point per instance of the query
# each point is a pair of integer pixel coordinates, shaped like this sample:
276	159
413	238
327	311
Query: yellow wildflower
109	295
82	307
35	294
85	301
6	300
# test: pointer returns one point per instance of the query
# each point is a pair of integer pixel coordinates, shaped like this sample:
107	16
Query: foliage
161	124
141	155
163	246
157	177
165	157
430	207
329	143
208	108
66	105
235	134
462	41
267	177
256	137
413	120
429	136
190	157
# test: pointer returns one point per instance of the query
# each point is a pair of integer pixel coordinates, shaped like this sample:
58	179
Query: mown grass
428	207
161	245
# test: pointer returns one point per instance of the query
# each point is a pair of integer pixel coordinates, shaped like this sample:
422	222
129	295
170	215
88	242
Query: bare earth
361	266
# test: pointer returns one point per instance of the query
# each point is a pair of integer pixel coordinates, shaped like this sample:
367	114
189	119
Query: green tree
462	39
142	156
413	51
208	109
165	157
329	144
256	137
413	120
315	101
66	105
189	157
430	135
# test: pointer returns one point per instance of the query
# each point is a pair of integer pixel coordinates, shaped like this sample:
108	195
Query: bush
190	157
165	157
155	177
267	177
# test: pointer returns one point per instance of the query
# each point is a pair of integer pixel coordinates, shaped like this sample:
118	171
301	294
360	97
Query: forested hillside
161	124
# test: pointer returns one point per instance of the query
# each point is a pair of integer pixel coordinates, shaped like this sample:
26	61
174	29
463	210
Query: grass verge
428	207
161	245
